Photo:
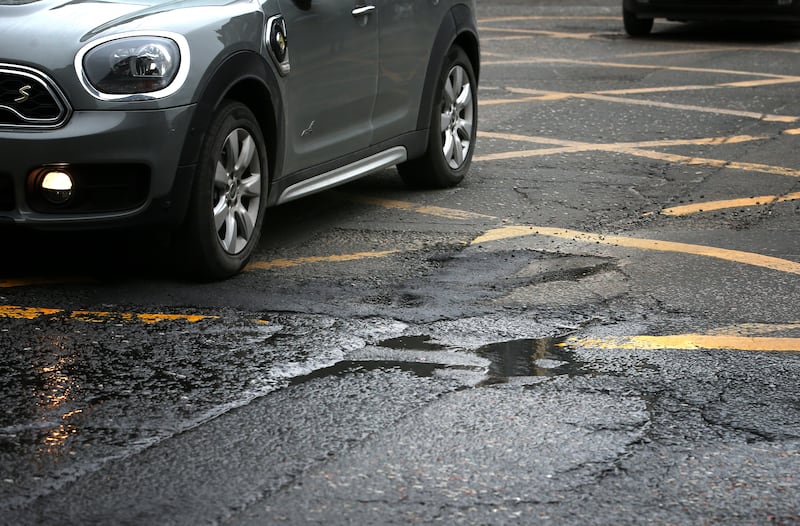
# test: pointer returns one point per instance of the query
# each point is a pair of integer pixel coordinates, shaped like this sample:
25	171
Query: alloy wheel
237	191
456	117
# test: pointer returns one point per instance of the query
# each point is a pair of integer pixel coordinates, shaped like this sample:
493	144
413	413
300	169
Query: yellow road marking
28	313
773	76
714	163
795	131
502	39
29	282
716	49
296	262
751	329
689	342
544	17
651	103
747	258
634	149
447	213
539	32
710	206
714	141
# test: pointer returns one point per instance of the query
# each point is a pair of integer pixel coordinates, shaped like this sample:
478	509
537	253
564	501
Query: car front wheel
229	196
453	128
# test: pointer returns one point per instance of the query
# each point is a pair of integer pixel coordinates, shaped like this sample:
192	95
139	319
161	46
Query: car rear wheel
634	26
229	195
453	128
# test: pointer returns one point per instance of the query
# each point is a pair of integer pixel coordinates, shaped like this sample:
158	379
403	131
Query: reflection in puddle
515	358
416	343
347	367
54	389
530	357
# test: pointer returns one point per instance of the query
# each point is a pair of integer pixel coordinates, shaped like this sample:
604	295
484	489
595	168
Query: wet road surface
599	326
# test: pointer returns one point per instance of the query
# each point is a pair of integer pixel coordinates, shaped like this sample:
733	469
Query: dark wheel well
469	44
258	99
247	78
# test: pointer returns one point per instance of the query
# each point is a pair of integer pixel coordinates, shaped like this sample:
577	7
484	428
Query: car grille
29	99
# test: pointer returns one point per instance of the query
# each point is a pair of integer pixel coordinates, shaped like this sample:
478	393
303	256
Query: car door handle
363	10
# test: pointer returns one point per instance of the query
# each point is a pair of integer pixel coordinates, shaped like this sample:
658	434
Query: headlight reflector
131	65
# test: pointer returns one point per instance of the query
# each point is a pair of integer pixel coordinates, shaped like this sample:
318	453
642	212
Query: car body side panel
330	90
407	32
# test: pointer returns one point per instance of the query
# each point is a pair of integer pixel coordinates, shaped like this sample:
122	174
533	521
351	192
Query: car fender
459	26
247	77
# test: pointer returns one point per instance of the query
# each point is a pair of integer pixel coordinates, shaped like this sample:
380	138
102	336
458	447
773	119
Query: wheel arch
458	28
247	78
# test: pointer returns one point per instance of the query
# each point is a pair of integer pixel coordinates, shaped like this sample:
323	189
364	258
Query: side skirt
366	166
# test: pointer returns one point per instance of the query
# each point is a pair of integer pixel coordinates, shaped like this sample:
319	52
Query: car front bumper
126	166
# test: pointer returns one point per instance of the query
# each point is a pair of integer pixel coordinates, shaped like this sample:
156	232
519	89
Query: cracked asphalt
598	327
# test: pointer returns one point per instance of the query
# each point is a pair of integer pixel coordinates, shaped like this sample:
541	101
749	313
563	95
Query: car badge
23	92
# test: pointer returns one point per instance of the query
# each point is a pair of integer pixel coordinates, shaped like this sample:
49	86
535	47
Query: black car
638	15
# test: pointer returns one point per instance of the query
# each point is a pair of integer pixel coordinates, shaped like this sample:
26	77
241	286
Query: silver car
196	115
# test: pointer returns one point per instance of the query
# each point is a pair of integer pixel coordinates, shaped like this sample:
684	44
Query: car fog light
57	186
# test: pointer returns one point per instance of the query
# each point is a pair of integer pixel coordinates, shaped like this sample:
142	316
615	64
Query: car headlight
133	66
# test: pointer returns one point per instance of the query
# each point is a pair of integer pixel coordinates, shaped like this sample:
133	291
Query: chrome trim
177	82
345	174
363	10
40	78
284	67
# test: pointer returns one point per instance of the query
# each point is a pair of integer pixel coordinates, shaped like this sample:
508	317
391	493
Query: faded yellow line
714	163
795	131
29	313
689	342
296	262
658	104
539	32
752	329
503	39
713	141
736	256
635	149
102	317
544	17
710	206
778	77
30	282
447	213
716	49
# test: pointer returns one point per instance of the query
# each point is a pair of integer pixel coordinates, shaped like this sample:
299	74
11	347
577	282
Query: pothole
530	357
495	362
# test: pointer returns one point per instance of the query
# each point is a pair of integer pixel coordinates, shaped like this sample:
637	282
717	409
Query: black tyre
453	127
636	27
229	196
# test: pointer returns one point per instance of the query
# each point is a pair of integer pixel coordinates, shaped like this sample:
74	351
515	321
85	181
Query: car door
407	32
333	48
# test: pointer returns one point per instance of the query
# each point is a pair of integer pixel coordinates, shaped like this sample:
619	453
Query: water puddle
541	357
530	357
347	367
415	343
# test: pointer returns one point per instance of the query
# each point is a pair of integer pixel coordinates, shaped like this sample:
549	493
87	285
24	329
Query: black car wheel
229	196
453	128
634	26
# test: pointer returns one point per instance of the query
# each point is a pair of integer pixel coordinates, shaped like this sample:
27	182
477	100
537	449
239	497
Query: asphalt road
599	326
